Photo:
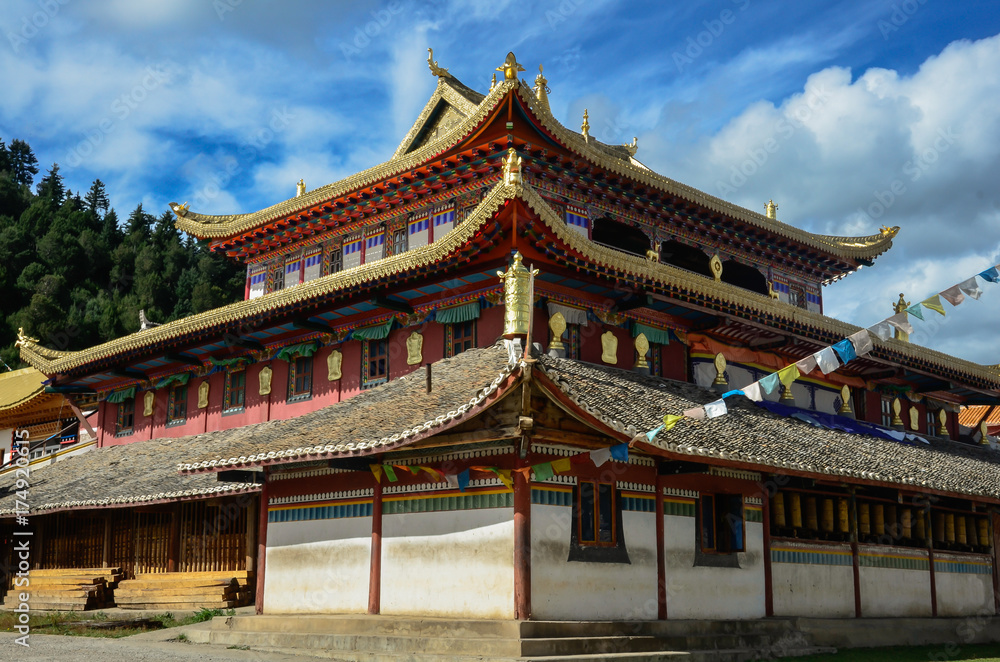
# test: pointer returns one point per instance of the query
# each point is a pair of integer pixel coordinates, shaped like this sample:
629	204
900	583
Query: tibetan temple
442	391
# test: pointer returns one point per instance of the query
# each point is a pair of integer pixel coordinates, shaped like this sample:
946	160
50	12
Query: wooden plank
221	592
209	604
212	573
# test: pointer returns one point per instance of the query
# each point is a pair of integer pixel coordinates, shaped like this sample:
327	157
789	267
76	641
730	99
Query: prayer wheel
960	530
984	531
778	506
949	527
828	515
921	526
812	522
796	510
844	515
864	519
879	528
907	523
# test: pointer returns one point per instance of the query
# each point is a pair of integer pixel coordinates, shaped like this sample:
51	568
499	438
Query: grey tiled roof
115	476
632	404
381	418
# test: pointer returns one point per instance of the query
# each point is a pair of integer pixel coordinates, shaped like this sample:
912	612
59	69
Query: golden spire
510	67
432	64
493	83
585	127
300	188
900	307
516	297
542	89
771	209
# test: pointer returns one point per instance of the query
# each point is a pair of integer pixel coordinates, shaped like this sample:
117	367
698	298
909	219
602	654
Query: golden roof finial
900	307
771	209
542	89
493	83
23	339
510	67
300	188
432	64
633	146
585	127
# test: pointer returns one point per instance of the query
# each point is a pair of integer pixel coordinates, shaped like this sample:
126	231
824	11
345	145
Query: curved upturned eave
860	249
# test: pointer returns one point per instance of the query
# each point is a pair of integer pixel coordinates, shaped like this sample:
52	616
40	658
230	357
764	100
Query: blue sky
826	107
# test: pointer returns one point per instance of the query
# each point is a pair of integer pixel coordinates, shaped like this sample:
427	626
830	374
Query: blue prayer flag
845	350
620	452
991	274
463	480
769	383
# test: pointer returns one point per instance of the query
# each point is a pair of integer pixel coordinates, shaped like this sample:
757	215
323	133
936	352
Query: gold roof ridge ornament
516	297
510	67
432	64
23	338
585	127
180	211
900	307
511	168
633	146
771	210
300	188
493	82
541	89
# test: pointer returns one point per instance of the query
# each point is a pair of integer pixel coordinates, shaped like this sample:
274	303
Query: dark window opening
747	277
376	363
597	535
686	257
300	378
177	405
461	337
235	391
620	236
126	417
720	523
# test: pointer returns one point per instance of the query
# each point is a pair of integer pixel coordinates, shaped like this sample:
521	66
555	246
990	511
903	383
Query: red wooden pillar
856	563
768	582
995	528
661	562
930	560
375	574
261	544
522	545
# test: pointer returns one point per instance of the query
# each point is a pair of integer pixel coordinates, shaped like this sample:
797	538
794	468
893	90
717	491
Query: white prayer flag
882	330
753	392
862	342
899	321
452	480
971	288
827	360
807	364
697	412
600	456
953	295
715	409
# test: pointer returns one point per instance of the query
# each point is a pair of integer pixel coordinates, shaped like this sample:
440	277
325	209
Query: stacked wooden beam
69	589
186	590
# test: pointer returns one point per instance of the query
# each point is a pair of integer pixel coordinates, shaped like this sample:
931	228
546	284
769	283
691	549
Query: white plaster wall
578	590
704	592
963	594
894	592
453	563
812	589
318	566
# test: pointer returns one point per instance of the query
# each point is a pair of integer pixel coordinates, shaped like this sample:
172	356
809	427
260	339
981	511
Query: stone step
371	644
549	629
365	624
637	644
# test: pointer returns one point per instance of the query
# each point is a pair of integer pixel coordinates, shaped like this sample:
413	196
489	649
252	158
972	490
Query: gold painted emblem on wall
147	403
716	265
914	418
641	348
414	349
333	365
609	348
203	394
845	399
897	408
265	380
942	423
557	325
720	370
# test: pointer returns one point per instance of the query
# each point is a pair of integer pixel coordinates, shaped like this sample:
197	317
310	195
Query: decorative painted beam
392	304
310	325
186	359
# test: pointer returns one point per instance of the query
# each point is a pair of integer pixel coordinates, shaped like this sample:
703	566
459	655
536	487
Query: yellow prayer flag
504	476
377	471
561	466
788	374
934	303
670	420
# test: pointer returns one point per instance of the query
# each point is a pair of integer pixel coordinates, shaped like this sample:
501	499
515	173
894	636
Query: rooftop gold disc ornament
716	265
720	370
516	296
641	349
510	67
557	324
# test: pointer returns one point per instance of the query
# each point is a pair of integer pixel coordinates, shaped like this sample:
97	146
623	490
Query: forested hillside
74	275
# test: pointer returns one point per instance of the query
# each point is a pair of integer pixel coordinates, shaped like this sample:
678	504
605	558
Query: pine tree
96	201
23	164
52	186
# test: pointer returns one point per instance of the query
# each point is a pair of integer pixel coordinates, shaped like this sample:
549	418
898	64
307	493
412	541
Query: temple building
444	394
